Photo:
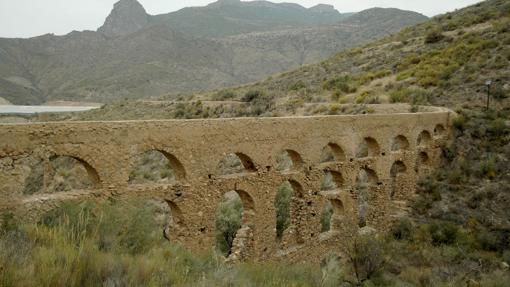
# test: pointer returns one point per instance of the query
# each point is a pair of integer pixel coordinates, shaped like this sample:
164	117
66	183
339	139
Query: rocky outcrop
127	16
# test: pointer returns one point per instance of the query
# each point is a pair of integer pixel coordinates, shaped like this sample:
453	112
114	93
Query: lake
43	109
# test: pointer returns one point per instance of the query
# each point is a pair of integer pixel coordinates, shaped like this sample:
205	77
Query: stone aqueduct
398	147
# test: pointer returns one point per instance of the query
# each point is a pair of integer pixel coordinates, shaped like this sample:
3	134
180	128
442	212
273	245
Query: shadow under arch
159	161
91	171
247	200
424	139
289	160
397	168
369	147
439	130
400	142
332	180
332	152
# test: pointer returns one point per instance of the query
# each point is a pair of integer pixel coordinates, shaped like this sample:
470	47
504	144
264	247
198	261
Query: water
26	110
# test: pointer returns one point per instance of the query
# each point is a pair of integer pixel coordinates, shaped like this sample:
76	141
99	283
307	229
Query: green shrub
367	258
251	96
403	229
228	222
282	205
434	36
443	233
326	215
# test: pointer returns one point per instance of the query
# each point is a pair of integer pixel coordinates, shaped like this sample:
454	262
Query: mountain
233	17
136	55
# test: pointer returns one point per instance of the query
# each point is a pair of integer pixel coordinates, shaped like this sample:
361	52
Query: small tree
366	257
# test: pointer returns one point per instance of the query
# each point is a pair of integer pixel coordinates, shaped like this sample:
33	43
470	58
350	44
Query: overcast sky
28	18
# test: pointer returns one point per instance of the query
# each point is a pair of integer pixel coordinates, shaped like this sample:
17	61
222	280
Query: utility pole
488	83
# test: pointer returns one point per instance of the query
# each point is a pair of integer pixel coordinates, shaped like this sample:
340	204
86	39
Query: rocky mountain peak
323	8
127	16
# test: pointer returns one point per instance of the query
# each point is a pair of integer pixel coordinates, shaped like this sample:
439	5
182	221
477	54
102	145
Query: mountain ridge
147	58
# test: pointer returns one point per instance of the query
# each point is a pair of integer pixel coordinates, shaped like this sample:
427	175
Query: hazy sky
27	18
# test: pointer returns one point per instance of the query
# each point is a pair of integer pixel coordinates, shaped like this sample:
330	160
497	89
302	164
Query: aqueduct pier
384	152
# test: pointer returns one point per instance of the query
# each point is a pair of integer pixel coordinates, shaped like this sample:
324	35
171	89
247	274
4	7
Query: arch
422	160
332	152
369	147
176	212
332	180
397	168
331	215
287	203
247	199
367	176
289	160
236	163
439	130
366	179
424	139
91	171
156	165
234	225
61	173
400	142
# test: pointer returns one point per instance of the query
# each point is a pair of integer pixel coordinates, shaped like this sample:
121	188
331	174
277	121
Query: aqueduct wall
194	148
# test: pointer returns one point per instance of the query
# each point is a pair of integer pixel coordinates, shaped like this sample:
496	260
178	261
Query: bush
403	229
282	205
434	36
228	222
251	96
443	233
367	258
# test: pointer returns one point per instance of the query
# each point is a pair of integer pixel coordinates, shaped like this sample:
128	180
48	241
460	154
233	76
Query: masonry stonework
399	147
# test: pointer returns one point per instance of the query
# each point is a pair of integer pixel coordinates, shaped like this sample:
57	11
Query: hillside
445	61
135	55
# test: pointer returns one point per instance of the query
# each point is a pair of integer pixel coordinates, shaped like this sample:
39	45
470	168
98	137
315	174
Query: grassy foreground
121	244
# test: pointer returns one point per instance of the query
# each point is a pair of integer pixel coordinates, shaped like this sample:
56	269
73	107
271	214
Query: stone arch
237	235
332	215
156	165
397	168
288	205
332	152
174	226
422	162
365	181
369	147
91	171
236	163
332	180
289	160
439	130
400	142
61	173
424	139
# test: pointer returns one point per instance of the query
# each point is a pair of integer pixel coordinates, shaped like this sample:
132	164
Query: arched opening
366	180
368	148
332	180
424	139
289	160
156	166
234	226
439	130
397	169
288	201
422	162
332	215
61	173
168	216
332	153
236	163
400	143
